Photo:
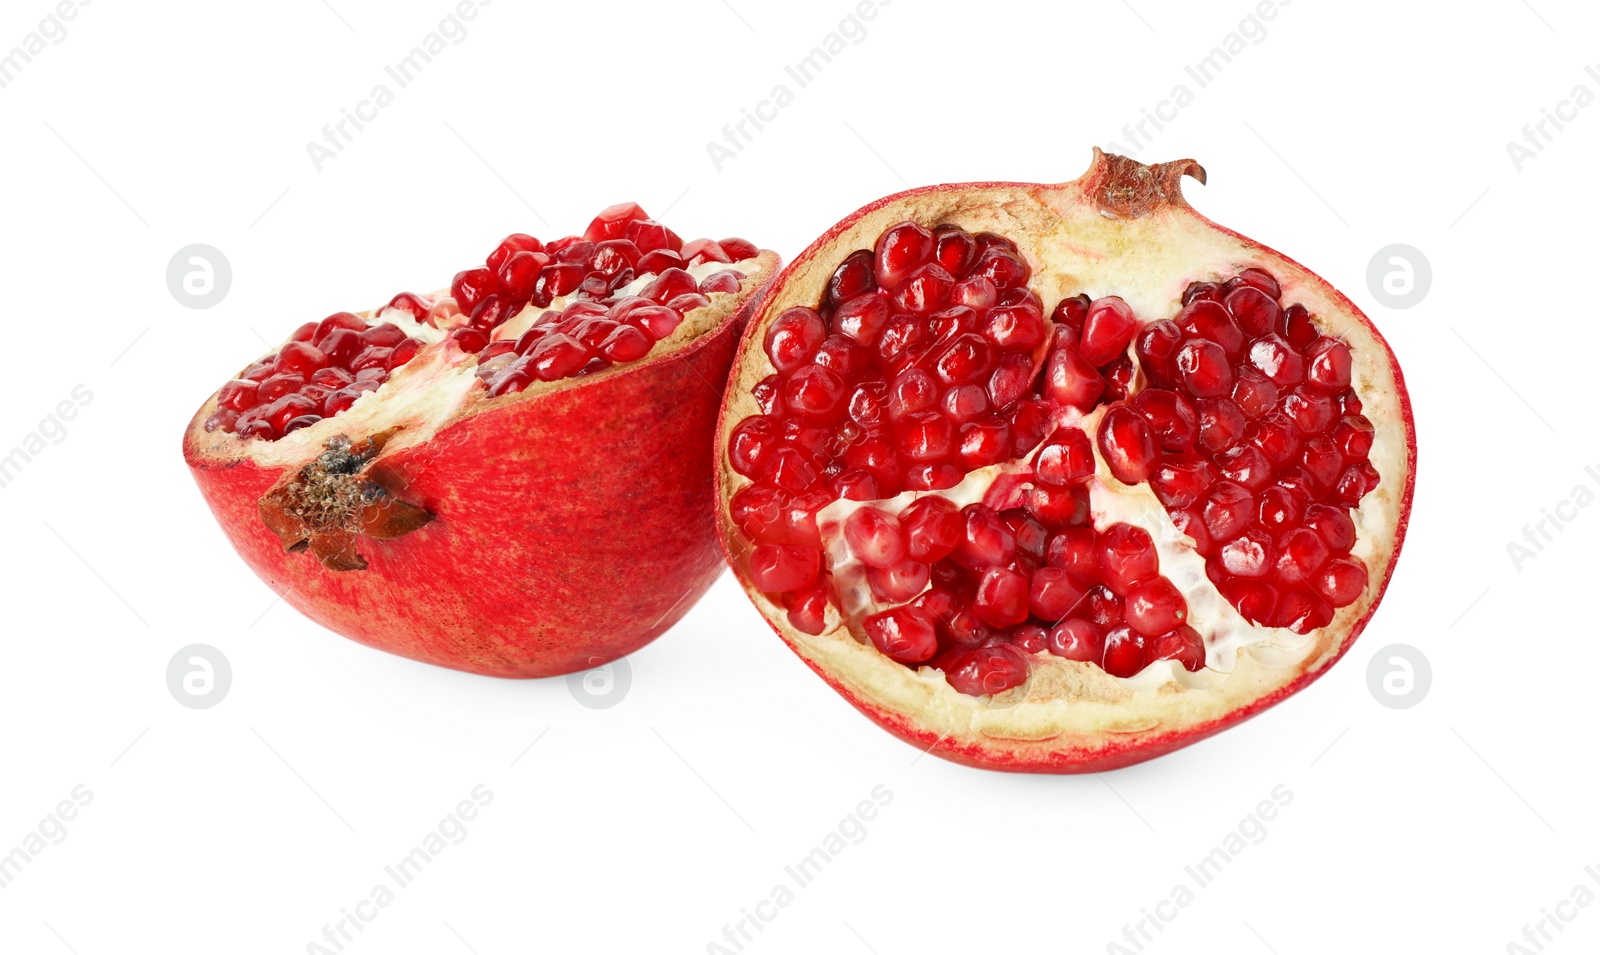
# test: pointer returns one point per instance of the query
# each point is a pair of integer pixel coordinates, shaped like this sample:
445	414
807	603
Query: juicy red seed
793	338
898	583
1015	328
1334	526
613	221
1202	368
1340	581
1255	312
876	538
740	249
1222	424
659	261
651	236
701	251
808	609
1053	594
1154	606
471	287
1156	345
932	477
304	333
1126	652
1227	510
1302	611
900	249
1073	550
966	359
1277	510
1329	364
1278	361
1171	417
856	485
1126	556
986	540
1107	329
1256	600
669	285
1210	321
277	386
520	273
1005	269
1301	553
1322	460
964	402
1071	380
955	250
287	408
853	277
557	356
624	344
911	392
1354	484
815	392
655	321
1246	466
1179	483
987	671
335	322
1028	420
404	352
982	442
1001	598
1126	444
778	568
725	281
1066	459
1078	639
925	289
933	528
238	395
1188	521
862	318
1182	644
1058	507
904	634
1298	327
1253	393
1353	437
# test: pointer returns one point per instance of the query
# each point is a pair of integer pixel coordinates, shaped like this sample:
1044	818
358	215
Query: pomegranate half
510	477
1058	478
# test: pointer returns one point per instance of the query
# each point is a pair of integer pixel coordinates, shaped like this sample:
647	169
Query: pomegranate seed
660	261
955	250
1245	465
1016	328
856	485
911	392
1248	555
1211	322
1334	526
1353	437
624	344
1028	420
900	249
1298	327
1222	424
1155	347
861	319
613	221
1126	444
1328	365
725	281
904	634
651	236
1202	291
1255	599
986	540
1078	639
965	402
655	321
259	428
1182	644
335	322
987	671
404	352
778	568
1126	652
1253	393
1302	611
1154	607
1001	267
238	395
807	610
1278	361
1071	380
1126	556
1301	553
1001	599
875	537
1260	279
1107	329
974	292
793	338
933	528
557	356
701	251
1058	507
1354	484
982	442
304	333
1053	594
1065	459
1255	312
966	359
1311	412
1179	483
901	582
1340	581
259	372
1277	510
1188	521
1202	367
925	289
816	392
471	287
1322	460
932	477
277	386
287	408
853	277
1171	418
740	249
1227	510
224	418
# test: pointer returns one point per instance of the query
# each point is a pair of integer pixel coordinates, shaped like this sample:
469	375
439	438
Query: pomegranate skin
1114	189
568	529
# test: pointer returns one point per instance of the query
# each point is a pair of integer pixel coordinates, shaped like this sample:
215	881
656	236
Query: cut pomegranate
1074	503
431	477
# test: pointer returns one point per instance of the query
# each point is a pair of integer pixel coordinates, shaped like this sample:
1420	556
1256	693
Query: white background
648	826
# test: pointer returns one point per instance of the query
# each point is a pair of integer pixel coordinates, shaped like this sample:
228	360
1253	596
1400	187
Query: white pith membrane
439	385
1148	260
